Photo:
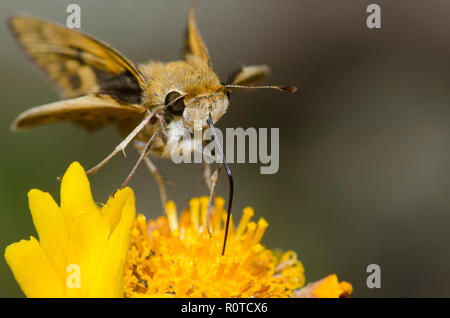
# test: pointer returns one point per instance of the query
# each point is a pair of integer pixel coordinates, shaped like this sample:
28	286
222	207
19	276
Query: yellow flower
81	249
178	258
328	287
84	251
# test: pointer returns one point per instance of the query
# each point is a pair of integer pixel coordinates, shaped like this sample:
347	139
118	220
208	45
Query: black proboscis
230	179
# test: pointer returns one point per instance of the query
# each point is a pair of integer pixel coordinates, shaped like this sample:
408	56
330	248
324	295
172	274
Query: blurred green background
364	152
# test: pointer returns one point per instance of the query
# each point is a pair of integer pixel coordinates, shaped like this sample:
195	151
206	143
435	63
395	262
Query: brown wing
193	42
249	75
92	112
77	63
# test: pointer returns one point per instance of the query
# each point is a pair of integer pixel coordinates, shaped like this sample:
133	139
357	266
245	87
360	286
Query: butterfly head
192	109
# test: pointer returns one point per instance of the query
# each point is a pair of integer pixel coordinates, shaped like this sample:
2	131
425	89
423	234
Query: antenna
284	89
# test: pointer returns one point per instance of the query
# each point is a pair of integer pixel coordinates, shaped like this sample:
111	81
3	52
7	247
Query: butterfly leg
211	181
124	143
209	159
207	174
144	154
139	145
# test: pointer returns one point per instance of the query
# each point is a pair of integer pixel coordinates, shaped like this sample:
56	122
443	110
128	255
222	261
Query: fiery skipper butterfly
149	103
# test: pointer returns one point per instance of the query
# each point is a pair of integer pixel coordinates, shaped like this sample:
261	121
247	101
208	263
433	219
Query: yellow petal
88	231
88	237
109	281
51	228
347	289
32	270
330	287
113	208
82	248
76	194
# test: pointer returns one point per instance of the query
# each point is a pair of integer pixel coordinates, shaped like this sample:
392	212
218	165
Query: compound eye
175	104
